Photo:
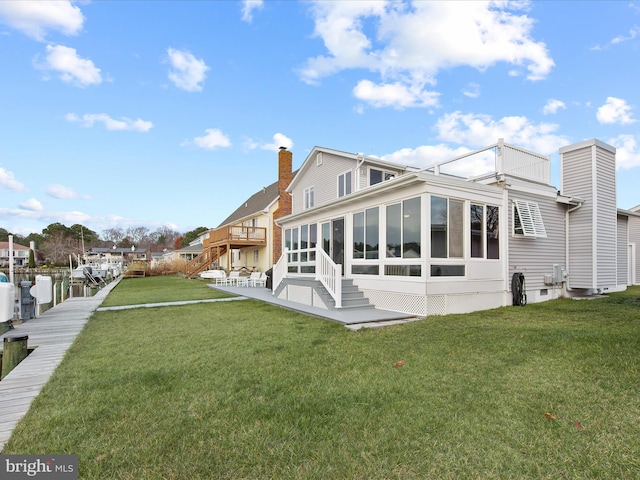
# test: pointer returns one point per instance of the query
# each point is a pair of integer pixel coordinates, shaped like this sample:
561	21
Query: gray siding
535	257
324	180
623	251
606	219
577	176
634	238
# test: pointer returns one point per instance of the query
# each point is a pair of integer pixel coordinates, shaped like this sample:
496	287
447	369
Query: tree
192	235
32	259
163	237
114	235
177	244
138	235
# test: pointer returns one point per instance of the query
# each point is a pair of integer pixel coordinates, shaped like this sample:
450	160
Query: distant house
249	238
479	231
187	253
115	255
20	255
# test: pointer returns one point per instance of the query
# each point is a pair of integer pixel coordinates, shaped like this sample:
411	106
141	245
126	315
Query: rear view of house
458	236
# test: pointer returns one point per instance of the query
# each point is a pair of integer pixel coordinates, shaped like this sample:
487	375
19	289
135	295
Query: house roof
121	250
311	158
256	203
16	246
197	248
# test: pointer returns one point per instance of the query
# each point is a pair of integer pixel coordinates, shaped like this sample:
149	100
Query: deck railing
499	159
237	234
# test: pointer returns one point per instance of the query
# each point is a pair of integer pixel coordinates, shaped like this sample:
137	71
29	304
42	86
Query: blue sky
170	113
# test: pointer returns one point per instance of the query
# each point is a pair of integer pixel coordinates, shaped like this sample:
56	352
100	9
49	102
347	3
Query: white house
479	231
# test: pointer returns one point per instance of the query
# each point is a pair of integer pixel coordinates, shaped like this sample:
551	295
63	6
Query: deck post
15	350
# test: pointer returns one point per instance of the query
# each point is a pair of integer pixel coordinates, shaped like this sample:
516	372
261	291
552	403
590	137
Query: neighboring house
249	238
187	253
20	255
115	255
483	230
156	258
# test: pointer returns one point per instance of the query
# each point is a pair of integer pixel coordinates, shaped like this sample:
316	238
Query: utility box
7	301
43	289
27	310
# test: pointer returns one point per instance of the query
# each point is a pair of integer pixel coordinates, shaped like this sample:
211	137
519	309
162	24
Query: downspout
360	158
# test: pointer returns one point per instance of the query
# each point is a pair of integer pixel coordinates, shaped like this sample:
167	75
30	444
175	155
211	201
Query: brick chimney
285	175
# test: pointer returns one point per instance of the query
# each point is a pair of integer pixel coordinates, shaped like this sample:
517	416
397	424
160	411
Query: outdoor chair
255	279
234	278
261	281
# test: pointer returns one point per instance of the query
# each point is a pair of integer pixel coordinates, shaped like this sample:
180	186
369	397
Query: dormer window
379	176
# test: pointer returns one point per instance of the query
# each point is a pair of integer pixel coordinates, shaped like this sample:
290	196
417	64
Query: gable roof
256	203
311	158
16	246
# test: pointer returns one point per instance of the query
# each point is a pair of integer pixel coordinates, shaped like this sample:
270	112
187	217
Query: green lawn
249	390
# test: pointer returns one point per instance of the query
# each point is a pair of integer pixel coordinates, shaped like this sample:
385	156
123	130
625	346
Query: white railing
330	275
279	270
500	158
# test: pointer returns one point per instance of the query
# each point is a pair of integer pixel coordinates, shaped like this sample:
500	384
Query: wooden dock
52	333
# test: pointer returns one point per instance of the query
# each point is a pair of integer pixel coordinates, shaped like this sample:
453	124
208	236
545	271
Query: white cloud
188	73
424	155
213	139
627	151
478	130
32	204
410	44
472	90
36	18
70	67
633	33
90	119
552	106
64	193
8	180
248	6
615	110
279	140
397	95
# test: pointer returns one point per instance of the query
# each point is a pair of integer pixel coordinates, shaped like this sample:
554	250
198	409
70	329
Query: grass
133	291
249	390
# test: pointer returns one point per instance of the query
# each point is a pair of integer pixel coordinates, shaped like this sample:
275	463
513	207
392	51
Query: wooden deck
52	333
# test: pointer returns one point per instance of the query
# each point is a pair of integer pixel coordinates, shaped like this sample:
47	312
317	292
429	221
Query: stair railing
280	270
330	275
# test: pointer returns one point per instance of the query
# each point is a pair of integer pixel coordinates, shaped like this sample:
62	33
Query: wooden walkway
52	333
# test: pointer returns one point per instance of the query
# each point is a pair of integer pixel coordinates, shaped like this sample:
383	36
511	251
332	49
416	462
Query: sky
122	114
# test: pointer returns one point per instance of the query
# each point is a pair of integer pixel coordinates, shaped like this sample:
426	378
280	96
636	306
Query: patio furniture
257	279
234	278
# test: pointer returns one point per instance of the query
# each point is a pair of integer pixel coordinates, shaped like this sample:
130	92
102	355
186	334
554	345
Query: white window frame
309	198
342	180
530	219
386	175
